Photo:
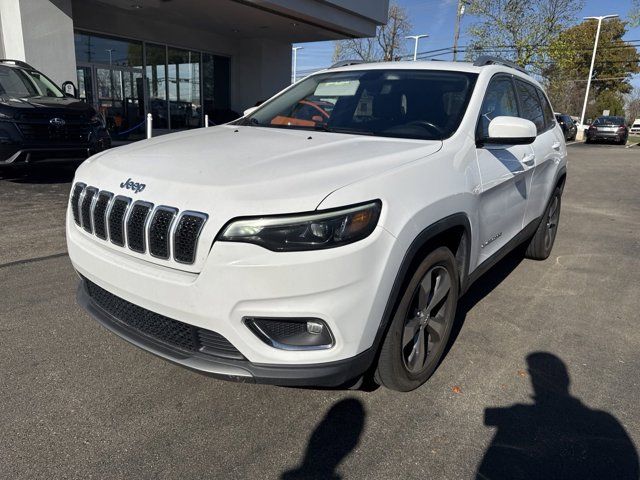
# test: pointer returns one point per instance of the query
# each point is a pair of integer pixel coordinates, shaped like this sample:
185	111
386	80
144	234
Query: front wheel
421	325
542	241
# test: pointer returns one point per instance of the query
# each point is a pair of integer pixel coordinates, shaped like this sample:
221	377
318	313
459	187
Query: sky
437	19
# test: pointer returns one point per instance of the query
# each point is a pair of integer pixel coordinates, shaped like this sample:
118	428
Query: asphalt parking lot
541	381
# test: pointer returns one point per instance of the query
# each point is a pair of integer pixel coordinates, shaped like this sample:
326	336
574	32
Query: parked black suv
39	123
569	128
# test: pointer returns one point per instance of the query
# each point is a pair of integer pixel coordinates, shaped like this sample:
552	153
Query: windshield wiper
248	122
323	127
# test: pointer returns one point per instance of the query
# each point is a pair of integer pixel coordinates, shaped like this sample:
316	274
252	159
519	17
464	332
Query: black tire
402	365
587	140
541	243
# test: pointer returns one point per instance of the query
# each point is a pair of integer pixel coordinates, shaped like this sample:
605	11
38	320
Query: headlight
310	231
96	119
4	116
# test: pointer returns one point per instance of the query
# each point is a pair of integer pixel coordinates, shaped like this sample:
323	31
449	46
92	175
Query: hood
233	171
66	104
264	170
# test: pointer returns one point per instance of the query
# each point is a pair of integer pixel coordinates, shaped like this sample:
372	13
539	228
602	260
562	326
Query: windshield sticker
341	88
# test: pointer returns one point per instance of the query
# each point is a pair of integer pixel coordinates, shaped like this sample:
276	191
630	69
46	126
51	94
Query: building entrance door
117	93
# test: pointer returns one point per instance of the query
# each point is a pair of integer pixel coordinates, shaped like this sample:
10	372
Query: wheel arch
453	232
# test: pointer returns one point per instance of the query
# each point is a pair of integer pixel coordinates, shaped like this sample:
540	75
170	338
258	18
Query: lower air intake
172	333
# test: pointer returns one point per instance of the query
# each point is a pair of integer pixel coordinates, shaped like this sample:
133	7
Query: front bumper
20	155
346	287
330	374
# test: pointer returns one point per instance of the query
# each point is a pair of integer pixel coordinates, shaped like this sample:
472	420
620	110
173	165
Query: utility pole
416	38
593	59
456	36
295	62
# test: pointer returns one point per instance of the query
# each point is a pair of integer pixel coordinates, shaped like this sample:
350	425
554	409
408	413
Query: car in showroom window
426	105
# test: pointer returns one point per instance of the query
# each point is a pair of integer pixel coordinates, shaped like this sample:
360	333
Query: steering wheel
427	125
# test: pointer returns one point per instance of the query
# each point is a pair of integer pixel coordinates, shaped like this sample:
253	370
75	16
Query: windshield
609	121
19	83
420	104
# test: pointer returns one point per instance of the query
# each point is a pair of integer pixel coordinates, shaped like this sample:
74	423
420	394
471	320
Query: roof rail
346	63
17	63
483	60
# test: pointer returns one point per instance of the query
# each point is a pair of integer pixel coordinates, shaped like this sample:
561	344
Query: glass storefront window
176	86
183	78
156	72
107	51
215	92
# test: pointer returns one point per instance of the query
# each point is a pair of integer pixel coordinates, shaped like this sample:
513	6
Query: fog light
315	328
291	333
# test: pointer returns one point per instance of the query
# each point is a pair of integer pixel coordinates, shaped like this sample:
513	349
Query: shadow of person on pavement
333	439
558	437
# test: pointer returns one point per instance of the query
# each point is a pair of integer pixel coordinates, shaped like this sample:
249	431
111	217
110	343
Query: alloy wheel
552	222
425	325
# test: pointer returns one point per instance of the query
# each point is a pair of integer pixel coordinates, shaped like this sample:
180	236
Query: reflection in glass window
184	89
107	51
531	107
157	84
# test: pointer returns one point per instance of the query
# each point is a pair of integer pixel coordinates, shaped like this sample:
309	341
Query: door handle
556	146
529	159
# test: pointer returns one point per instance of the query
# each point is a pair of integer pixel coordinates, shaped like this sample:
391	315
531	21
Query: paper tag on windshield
340	88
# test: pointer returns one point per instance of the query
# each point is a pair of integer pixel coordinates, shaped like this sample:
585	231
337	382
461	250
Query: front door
503	171
120	98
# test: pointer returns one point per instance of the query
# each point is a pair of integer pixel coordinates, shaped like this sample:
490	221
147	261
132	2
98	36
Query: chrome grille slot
159	231
185	239
85	208
116	220
137	226
75	201
100	214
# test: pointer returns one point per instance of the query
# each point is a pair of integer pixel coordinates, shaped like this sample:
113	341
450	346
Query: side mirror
69	89
511	131
249	111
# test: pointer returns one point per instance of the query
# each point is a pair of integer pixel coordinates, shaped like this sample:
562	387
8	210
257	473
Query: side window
499	99
530	103
549	117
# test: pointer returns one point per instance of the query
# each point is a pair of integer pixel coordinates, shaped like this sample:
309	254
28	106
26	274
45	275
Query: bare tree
516	29
387	45
632	105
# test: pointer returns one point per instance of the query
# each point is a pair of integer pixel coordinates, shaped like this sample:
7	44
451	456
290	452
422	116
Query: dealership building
175	59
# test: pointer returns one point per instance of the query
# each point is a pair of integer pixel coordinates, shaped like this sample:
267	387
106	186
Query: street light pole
456	35
416	38
295	62
593	59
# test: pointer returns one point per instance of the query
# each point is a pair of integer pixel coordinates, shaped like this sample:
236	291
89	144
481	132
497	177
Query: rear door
503	168
548	148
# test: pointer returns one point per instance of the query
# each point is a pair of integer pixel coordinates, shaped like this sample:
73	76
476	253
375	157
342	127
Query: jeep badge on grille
131	185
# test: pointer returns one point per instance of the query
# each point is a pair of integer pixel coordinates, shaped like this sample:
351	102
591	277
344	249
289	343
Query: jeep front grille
137	226
100	214
187	232
162	231
86	204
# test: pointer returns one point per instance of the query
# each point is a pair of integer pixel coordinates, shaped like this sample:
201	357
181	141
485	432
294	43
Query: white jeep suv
327	235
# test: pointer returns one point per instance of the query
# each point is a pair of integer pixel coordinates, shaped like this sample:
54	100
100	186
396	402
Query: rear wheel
421	325
542	241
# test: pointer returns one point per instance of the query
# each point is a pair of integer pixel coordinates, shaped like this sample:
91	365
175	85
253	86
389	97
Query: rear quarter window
531	106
